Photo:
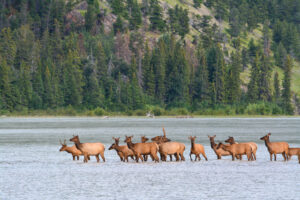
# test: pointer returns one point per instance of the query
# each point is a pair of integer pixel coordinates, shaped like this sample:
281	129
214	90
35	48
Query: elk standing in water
123	151
196	149
237	149
140	149
160	140
89	149
72	150
219	152
171	148
293	152
276	147
253	145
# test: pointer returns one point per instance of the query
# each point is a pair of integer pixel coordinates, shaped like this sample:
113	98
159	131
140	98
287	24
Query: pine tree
264	79
233	91
91	14
8	48
156	19
148	76
118	26
276	94
48	89
286	93
253	86
24	83
135	19
5	86
197	3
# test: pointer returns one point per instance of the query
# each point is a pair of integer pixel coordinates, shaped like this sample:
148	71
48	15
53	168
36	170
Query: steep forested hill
165	56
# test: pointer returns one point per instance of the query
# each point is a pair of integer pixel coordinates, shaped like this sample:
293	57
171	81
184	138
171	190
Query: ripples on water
31	166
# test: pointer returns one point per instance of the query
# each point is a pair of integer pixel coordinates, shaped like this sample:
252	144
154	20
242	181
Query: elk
276	147
140	149
161	139
72	150
253	145
89	149
237	149
219	152
172	148
293	152
196	149
123	151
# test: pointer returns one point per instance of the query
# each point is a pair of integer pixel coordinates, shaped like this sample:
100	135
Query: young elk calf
89	149
237	149
123	151
140	149
276	147
253	145
196	149
293	152
72	150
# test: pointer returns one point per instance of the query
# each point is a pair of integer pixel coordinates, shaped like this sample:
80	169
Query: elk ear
269	134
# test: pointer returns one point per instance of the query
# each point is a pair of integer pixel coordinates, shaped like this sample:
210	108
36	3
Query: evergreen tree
91	14
264	79
156	19
24	83
286	93
280	56
276	94
148	76
253	86
135	19
48	89
118	26
197	3
5	86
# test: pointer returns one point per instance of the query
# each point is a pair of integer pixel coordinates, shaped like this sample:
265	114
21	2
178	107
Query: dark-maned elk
123	151
276	147
237	149
253	145
89	149
140	149
72	150
219	152
196	149
293	152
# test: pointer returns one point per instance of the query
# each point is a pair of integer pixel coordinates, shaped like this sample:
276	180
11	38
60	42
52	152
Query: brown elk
172	148
293	152
196	149
140	149
89	149
123	151
276	147
237	149
219	152
72	150
161	139
253	145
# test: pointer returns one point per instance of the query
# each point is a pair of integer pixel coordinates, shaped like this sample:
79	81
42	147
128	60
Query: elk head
192	138
220	145
211	138
128	138
266	137
63	145
113	146
116	140
144	139
75	139
230	139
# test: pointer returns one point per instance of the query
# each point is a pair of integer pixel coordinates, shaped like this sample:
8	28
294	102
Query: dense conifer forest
169	57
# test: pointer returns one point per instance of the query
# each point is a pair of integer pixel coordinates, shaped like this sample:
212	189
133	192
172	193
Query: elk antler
164	132
65	142
60	142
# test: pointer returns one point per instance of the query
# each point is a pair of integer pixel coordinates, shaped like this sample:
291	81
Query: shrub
99	111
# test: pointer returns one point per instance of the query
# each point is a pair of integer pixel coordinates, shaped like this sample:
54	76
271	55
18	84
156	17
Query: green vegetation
129	57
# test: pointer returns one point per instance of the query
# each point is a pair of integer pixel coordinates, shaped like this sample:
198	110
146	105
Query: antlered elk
293	152
276	147
219	152
237	149
196	149
89	149
140	149
253	145
72	150
123	151
172	148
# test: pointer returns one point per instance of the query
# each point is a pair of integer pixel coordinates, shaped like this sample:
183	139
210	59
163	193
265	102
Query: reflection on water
32	167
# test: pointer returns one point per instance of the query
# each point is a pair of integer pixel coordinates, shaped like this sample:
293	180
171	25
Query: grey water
31	166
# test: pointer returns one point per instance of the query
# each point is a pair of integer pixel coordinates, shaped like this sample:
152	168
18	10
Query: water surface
31	167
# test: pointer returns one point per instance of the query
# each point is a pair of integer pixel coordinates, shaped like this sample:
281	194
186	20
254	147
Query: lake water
31	166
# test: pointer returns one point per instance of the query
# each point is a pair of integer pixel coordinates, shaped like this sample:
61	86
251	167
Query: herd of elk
165	147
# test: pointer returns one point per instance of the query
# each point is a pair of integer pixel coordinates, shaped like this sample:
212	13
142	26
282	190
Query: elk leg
88	157
275	156
203	154
73	157
102	156
219	157
299	157
233	156
191	156
196	156
85	160
182	157
283	154
254	155
145	157
97	157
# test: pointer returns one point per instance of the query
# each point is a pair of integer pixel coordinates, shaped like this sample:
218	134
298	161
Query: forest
130	57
